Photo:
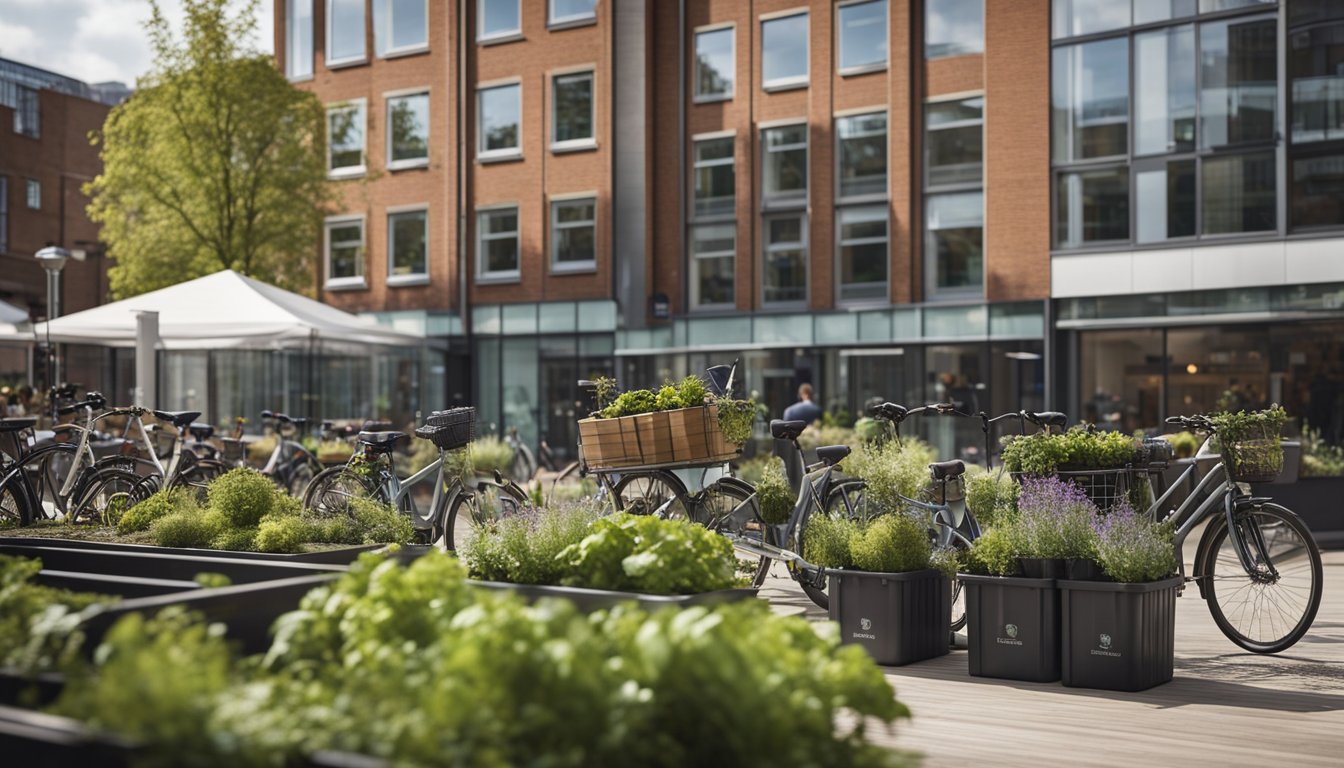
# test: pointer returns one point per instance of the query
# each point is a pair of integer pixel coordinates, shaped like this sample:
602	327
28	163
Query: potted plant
888	592
1055	530
1120	634
678	422
1081	453
1012	622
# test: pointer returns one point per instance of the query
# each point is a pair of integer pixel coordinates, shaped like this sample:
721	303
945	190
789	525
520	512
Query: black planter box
1316	501
899	618
589	600
1118	637
34	739
155	563
1012	627
336	556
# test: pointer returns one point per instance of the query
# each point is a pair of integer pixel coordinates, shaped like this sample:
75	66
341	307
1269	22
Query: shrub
1131	548
993	554
691	391
826	541
379	523
1042	453
243	497
334	530
1055	519
187	527
640	553
524	548
489	454
1183	444
775	496
891	470
161	504
892	544
235	539
991	496
281	534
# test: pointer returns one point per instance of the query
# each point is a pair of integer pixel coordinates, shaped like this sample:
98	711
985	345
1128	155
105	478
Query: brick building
912	199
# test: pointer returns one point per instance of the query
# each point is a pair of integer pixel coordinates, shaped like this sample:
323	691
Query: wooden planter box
690	435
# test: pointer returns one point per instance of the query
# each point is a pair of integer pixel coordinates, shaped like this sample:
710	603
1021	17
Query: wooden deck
1225	707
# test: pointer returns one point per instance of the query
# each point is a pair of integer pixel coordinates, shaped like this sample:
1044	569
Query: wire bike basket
1253	456
451	429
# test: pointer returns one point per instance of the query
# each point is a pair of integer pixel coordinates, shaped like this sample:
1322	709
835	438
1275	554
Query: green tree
216	162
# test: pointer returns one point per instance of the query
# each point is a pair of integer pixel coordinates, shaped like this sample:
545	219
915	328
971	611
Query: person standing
803	410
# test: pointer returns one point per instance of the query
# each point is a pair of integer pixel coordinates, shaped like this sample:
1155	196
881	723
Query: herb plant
890	470
1042	453
640	553
992	496
774	495
736	418
892	544
1055	520
994	553
1132	548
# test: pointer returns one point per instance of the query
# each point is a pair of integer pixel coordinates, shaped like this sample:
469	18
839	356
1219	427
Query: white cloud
17	42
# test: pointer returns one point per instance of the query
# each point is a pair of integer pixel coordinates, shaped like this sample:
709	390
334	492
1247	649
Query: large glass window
1165	199
1238	81
1212	6
1238	193
500	111
1316	66
1164	91
399	26
1317	192
955	141
408	130
574	234
863	36
1120	375
1085	17
862	234
862	143
299	38
784	177
1092	206
499	18
715	180
345	138
345	251
497	243
345	31
713	255
407	233
1090	100
27	112
785	272
573	121
572	11
714	64
1149	11
784	51
953	27
954	244
34	194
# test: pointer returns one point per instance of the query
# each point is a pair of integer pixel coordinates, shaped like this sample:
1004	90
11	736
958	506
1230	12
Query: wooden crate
627	441
696	436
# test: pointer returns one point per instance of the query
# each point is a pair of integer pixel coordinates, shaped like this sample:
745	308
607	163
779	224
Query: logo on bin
1104	643
865	625
1011	631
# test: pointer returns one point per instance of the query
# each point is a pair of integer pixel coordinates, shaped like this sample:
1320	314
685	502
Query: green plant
890	470
1078	448
827	541
379	523
668	398
631	403
774	495
1132	549
340	529
892	544
187	527
1055	519
869	429
753	469
525	548
994	553
949	562
1184	445
235	539
736	418
284	533
991	496
1249	441
37	623
604	391
491	454
209	580
640	553
691	391
243	497
161	504
1319	458
827	434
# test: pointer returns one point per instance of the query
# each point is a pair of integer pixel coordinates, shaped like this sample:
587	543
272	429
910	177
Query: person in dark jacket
804	409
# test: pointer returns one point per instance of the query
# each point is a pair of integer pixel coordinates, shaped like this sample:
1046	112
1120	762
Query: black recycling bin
899	618
1012	627
1117	636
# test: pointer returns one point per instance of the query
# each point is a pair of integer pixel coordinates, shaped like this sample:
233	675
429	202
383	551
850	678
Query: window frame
573	20
874	197
709	98
361	106
484	155
388	98
929	185
841	242
502	36
697	164
980	51
408	50
354	282
290	26
960	293
574	145
484	275
693	268
32	193
349	61
410	278
861	69
553	241
794	81
769	203
804	245
28	104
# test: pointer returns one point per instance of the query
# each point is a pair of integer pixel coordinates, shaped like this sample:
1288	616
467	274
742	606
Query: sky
93	40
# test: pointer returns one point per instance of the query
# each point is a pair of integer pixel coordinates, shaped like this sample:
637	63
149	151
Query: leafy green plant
187	527
281	533
235	539
1319	458
640	553
892	544
753	469
604	391
630	404
890	470
161	504
736	418
668	398
949	562
1042	453
1249	441
1184	445
30	613
994	553
525	548
340	529
773	494
243	496
868	429
691	391
827	541
379	523
991	496
490	454
1133	549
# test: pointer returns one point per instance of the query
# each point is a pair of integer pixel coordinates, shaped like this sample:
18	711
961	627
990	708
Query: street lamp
53	258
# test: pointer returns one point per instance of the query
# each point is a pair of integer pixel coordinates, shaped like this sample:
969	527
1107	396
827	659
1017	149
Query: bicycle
371	473
523	467
290	466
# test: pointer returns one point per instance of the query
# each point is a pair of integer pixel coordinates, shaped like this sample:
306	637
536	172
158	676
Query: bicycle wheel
729	506
301	475
198	475
470	509
844	499
522	468
17	507
649	492
1269	610
330	493
108	494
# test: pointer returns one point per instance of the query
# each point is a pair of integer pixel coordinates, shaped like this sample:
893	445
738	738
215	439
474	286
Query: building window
574	234
299	38
714	64
572	125
784	276
408	131
713	255
345	252
345	139
1092	206
862	233
954	243
407	233
1090	100
501	108
1164	91
497	244
400	26
1317	190
1238	94
1164	199
34	194
862	155
863	36
345	32
1316	68
715	179
1086	17
954	142
953	28
4	214
27	112
784	175
784	52
564	12
1238	193
499	19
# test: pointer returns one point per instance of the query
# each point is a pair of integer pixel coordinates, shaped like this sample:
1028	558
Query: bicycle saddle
1046	418
946	470
17	423
178	419
832	454
380	441
787	430
202	432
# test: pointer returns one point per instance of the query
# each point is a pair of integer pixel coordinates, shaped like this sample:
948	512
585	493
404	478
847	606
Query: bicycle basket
1252	459
232	450
450	429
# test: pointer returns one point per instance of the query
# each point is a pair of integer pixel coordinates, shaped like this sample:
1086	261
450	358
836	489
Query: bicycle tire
644	492
105	489
300	474
17	506
522	468
845	497
45	468
1283	527
331	490
724	497
199	475
470	508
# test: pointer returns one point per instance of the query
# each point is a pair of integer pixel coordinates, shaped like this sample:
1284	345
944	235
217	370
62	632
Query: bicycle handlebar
1199	422
94	400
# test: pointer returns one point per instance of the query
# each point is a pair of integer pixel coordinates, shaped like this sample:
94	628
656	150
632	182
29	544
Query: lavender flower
1132	548
1055	519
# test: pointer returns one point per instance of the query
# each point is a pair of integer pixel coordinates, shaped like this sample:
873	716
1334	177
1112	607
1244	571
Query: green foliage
379	523
736	419
667	399
1184	445
868	429
187	527
604	391
235	539
631	403
212	580
281	533
161	504
340	529
1249	442
691	391
215	162
991	496
37	623
827	540
525	548
1319	458
994	553
773	494
489	454
892	544
753	469
891	470
640	553
1133	549
243	497
949	562
827	434
1042	453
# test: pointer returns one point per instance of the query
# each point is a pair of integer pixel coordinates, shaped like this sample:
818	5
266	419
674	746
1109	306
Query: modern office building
916	200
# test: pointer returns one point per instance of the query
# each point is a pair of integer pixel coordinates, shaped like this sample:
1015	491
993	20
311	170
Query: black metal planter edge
336	556
597	599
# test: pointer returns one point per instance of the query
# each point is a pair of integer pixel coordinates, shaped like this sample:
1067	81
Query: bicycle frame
398	489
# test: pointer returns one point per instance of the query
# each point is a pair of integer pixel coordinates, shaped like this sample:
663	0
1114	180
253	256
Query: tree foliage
216	162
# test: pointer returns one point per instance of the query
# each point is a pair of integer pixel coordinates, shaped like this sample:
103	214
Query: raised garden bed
155	563
332	555
597	599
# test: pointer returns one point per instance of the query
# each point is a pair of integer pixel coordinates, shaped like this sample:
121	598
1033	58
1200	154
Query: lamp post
53	258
